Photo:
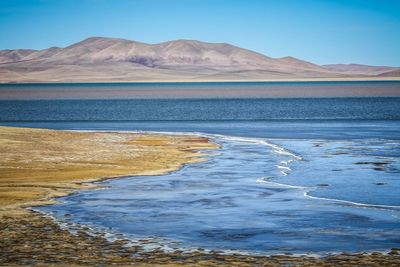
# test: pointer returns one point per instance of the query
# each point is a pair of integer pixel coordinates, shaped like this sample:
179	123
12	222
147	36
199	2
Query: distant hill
354	69
99	59
392	73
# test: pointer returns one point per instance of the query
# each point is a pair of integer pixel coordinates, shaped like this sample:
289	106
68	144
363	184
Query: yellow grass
38	164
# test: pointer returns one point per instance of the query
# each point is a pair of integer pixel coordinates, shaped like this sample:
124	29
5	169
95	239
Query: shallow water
303	196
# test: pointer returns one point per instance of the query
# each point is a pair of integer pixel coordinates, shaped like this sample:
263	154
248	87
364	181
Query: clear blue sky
321	31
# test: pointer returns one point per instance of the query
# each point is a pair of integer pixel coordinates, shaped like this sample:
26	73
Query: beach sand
37	165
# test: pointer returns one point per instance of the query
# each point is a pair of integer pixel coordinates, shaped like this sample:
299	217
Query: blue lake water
298	109
292	175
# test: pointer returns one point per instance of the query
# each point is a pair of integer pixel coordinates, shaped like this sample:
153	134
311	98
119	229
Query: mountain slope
111	59
8	56
355	69
392	73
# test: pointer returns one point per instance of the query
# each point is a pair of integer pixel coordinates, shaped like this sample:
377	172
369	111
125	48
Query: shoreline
28	237
74	228
345	79
36	239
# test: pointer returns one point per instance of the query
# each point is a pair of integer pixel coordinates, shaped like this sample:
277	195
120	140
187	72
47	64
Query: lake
293	175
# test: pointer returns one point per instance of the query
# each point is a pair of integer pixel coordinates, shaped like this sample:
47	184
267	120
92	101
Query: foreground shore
37	240
37	165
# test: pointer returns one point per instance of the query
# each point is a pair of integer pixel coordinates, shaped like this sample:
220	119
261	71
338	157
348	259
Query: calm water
202	109
292	175
202	90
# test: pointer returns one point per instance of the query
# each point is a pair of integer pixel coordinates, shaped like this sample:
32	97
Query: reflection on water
252	195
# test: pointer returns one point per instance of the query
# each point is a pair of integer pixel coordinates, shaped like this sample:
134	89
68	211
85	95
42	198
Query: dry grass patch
37	164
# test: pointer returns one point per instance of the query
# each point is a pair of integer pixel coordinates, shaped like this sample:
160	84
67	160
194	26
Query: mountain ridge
115	59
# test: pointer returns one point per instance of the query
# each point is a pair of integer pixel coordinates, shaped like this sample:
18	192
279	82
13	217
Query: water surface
253	195
294	175
200	90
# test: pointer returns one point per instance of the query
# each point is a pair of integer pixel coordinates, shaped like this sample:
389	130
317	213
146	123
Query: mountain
392	73
14	55
354	69
99	59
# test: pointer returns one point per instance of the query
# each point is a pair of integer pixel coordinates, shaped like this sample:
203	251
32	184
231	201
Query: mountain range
100	59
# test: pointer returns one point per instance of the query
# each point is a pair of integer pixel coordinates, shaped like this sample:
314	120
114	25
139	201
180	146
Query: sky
320	31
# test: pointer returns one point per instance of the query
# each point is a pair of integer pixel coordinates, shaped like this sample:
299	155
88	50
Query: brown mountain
392	73
110	59
14	55
357	69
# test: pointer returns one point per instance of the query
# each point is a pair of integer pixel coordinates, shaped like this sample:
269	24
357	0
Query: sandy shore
37	165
